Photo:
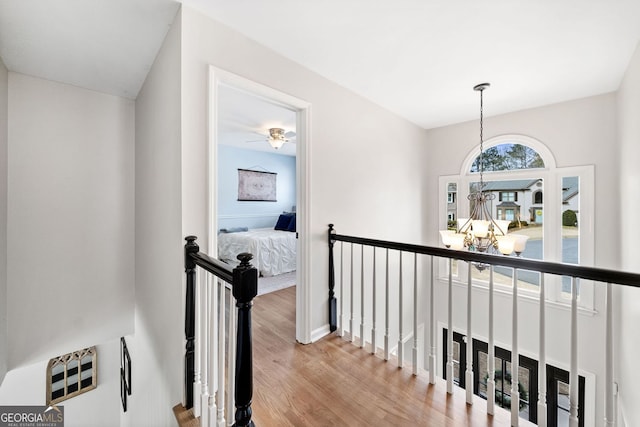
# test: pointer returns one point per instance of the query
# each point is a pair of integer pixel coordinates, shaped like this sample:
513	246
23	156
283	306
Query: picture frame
125	373
71	374
257	186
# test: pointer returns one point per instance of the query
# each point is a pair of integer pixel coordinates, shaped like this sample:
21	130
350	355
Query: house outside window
451	197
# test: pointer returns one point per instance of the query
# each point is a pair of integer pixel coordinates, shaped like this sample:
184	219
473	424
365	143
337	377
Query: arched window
520	170
537	197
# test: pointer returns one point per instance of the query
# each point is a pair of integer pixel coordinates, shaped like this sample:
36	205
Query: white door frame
217	78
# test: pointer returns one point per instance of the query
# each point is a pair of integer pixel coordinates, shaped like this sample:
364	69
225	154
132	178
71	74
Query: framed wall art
256	186
71	374
125	373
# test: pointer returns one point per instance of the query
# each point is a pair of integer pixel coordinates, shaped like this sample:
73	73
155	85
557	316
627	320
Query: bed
274	251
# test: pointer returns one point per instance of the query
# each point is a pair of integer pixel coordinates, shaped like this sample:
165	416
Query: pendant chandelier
480	232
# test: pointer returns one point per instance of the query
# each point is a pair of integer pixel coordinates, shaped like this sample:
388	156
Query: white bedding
274	251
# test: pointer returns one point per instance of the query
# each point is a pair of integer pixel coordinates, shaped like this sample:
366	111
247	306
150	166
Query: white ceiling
104	45
244	121
417	58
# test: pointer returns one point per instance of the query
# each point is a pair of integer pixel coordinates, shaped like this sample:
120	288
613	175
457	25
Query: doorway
259	139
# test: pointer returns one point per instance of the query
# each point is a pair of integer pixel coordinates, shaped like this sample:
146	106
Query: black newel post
245	288
333	304
191	247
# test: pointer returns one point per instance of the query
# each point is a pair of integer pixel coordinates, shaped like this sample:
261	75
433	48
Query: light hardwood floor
335	383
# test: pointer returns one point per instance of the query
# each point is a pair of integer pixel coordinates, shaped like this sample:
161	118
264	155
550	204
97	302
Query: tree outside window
508	156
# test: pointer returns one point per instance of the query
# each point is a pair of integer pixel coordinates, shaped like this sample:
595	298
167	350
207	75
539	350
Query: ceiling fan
277	137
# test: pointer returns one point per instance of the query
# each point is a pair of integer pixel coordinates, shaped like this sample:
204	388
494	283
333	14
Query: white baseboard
319	333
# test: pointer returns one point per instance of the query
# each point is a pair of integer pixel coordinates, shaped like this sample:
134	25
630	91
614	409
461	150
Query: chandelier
480	232
277	138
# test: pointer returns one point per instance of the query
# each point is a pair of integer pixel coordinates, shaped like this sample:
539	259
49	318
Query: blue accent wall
233	213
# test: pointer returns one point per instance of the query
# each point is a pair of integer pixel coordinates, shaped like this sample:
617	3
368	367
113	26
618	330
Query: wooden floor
335	383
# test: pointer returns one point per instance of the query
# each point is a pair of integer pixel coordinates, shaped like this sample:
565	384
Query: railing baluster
515	393
386	308
220	395
197	386
189	322
204	394
432	326
449	372
351	300
608	360
362	341
212	354
573	371
231	361
491	382
374	344
341	331
415	314
542	364
400	351
469	368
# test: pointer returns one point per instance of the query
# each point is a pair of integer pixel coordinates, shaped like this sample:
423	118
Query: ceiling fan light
276	142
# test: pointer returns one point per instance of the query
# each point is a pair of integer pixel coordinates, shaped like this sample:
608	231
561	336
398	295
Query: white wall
157	347
100	407
628	307
4	99
234	213
580	132
366	163
70	218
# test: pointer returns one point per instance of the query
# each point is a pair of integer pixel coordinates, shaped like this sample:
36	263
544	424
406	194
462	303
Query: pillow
283	222
292	223
234	229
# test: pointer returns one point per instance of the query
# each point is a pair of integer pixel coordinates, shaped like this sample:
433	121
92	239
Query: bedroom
256	194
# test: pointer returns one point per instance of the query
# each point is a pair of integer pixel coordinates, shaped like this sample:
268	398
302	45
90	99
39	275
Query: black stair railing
571	270
600	277
244	282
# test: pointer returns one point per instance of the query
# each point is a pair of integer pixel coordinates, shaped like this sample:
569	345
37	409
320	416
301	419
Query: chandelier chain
481	142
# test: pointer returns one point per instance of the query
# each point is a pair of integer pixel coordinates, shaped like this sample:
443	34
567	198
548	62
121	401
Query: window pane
563	404
507	385
508	156
524	378
456	362
483	373
452	216
570	225
513	200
